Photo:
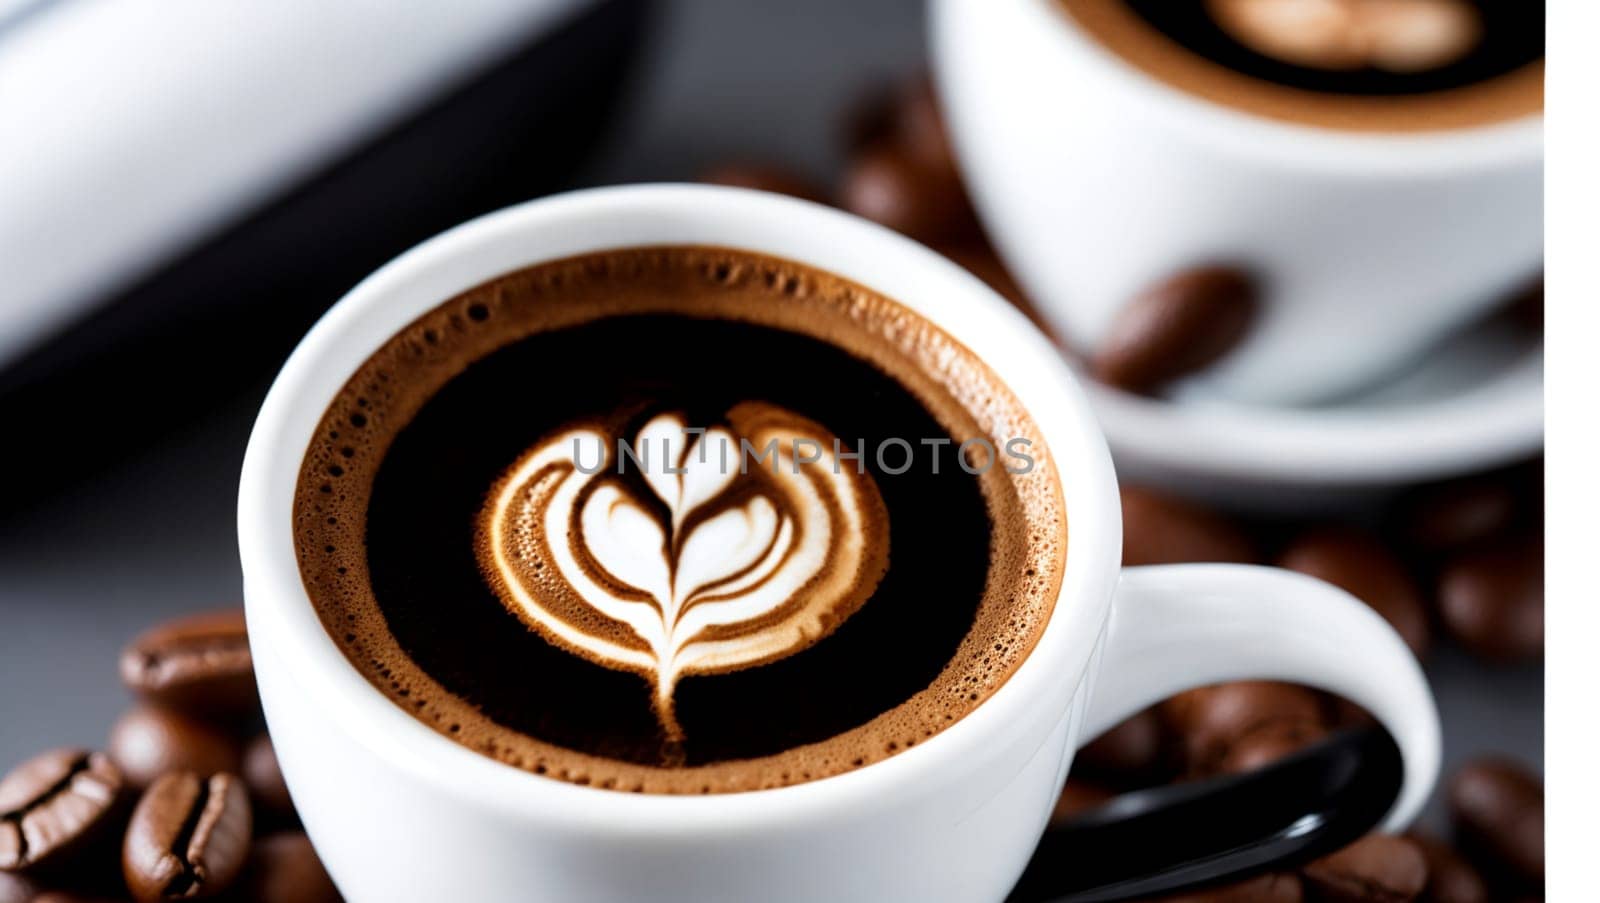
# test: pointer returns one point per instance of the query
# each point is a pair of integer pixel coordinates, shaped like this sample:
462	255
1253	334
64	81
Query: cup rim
1518	140
283	623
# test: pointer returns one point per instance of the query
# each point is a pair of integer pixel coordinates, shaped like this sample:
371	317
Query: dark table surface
152	534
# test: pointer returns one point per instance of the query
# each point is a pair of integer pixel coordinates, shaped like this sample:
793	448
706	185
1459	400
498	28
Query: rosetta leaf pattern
682	552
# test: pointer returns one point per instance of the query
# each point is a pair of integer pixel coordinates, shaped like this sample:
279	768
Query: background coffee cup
1095	180
398	812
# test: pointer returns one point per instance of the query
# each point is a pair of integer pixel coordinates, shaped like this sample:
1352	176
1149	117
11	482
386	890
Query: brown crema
1027	534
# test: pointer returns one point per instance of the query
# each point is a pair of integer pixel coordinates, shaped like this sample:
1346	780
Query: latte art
1361	65
699	566
1392	35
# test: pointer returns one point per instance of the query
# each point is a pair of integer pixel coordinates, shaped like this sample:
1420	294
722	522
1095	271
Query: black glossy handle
1188	835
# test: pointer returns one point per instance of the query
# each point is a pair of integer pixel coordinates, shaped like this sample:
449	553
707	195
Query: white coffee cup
399	812
1096	180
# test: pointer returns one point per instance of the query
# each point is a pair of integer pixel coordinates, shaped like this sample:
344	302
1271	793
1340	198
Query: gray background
153	535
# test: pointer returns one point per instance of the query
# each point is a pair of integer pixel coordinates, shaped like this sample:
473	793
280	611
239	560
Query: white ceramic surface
1476	402
1095	180
399	812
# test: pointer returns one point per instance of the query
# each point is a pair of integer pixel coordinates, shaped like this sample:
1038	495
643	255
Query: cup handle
1175	627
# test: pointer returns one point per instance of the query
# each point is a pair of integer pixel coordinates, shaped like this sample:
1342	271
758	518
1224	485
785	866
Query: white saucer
1476	402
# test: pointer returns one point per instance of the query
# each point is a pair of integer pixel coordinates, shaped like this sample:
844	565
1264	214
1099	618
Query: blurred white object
131	128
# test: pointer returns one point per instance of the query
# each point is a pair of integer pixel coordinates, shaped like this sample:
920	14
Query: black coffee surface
1513	37
431	486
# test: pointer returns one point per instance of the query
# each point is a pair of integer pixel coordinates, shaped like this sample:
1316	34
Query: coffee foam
1027	544
1393	35
728	567
1496	99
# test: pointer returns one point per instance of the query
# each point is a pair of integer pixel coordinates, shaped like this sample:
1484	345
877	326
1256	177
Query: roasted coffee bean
148	742
1132	753
198	664
1269	743
1378	868
1492	600
1362	567
1208	720
1078	797
1158	528
1261	889
894	188
763	177
189	837
284	868
261	775
1175	328
53	804
1451	879
1460	513
1498	807
906	116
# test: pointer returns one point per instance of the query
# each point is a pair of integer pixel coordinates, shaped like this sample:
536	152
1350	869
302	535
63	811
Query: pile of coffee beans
1460	561
185	802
